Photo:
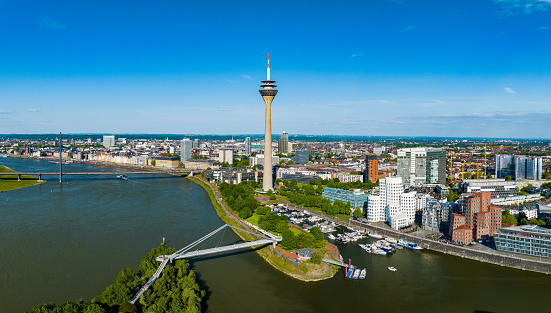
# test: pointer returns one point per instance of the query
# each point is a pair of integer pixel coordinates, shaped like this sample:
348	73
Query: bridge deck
334	262
151	280
237	246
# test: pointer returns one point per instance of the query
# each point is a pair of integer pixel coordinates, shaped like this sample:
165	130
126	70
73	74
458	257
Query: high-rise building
283	143
248	146
185	150
109	141
518	167
302	156
268	92
195	144
419	166
225	156
371	172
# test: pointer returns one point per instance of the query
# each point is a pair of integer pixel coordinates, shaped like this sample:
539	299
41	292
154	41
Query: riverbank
494	257
11	182
304	272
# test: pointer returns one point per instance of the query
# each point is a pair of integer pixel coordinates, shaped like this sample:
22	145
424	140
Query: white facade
225	155
392	204
259	160
185	150
108	141
346	178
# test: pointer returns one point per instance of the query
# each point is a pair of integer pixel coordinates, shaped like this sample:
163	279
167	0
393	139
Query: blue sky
375	67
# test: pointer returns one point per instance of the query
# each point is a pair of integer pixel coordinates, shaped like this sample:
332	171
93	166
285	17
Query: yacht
393	269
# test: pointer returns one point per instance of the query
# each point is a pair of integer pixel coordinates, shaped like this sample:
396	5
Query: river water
68	241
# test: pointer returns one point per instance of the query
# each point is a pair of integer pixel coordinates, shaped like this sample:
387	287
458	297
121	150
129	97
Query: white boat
391	240
356	274
393	269
330	236
379	251
363	273
375	235
123	177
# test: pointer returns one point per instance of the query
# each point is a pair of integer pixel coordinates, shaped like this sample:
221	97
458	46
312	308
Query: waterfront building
391	203
518	167
109	141
356	198
498	187
347	178
248	146
185	150
527	239
225	156
268	92
436	216
302	156
371	172
283	143
231	175
167	162
259	160
419	166
477	214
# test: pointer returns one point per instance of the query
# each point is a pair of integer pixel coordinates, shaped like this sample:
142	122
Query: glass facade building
302	156
356	198
518	167
419	166
528	239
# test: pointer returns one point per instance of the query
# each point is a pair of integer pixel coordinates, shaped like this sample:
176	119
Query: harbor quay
494	257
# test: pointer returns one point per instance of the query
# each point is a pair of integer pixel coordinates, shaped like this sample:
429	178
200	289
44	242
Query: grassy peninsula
234	203
10	182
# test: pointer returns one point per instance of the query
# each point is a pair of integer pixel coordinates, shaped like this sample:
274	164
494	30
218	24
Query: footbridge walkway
186	252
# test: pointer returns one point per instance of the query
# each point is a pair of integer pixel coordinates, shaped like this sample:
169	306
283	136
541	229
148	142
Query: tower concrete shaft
268	93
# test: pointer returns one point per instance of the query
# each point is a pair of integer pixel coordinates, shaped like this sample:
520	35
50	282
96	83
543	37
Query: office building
420	166
259	160
225	156
231	175
109	141
479	219
185	150
248	146
195	144
527	239
356	198
283	143
167	162
268	92
497	187
436	216
518	167
371	172
392	204
301	157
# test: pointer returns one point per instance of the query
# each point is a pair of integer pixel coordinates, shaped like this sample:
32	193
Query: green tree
508	219
358	213
508	178
316	258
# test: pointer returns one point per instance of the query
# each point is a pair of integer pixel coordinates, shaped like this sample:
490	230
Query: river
68	241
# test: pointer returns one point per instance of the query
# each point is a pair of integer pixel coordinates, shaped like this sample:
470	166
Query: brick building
371	172
479	219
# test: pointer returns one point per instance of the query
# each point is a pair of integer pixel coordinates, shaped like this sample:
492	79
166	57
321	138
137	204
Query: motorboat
363	273
392	269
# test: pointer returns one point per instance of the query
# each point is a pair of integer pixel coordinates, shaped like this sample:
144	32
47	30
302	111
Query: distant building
527	239
202	164
167	162
232	175
436	216
371	172
225	156
109	141
498	187
420	166
391	203
195	144
259	160
378	150
248	146
185	150
302	156
283	143
518	167
356	198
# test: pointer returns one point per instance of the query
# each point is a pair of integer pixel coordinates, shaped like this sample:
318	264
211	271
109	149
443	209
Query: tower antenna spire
268	76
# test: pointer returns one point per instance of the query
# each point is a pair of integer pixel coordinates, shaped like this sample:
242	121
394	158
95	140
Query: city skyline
383	68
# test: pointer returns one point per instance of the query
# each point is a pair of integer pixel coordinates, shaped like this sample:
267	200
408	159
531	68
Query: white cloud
33	110
50	23
509	90
245	76
6	112
231	81
359	54
510	7
437	101
407	29
544	28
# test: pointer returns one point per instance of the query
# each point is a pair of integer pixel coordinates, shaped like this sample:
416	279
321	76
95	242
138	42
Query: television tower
268	93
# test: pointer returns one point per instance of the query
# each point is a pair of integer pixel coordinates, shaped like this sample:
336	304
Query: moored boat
409	245
363	273
391	268
356	274
375	235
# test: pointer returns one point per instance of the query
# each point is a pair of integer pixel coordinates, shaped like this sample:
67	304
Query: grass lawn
253	219
11	182
343	217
